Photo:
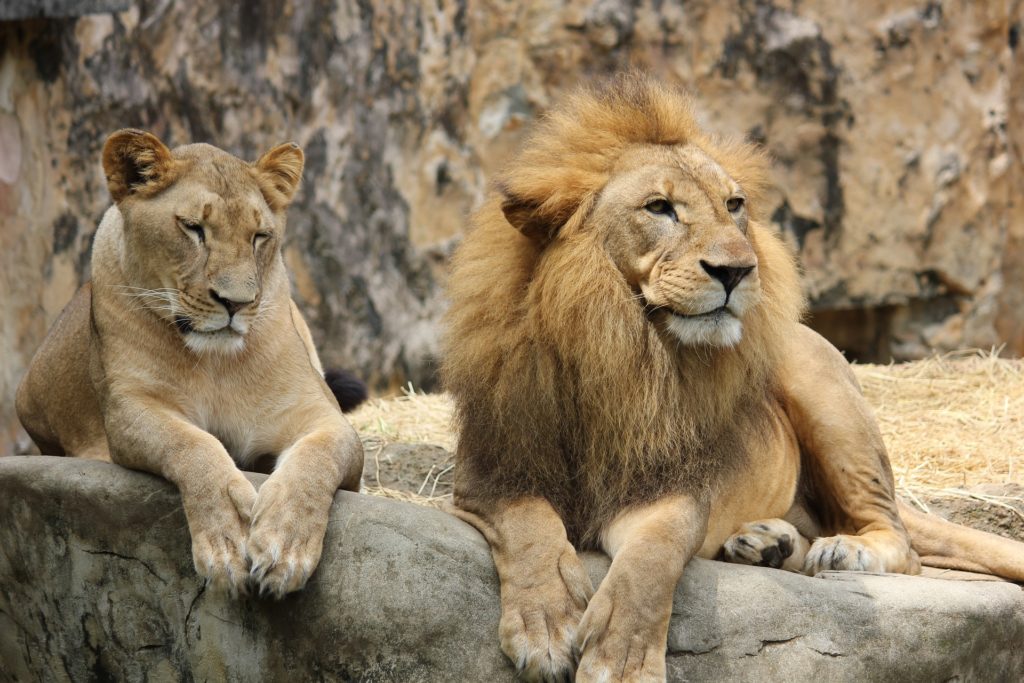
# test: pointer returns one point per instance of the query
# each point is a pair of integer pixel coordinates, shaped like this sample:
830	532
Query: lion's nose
232	305
729	276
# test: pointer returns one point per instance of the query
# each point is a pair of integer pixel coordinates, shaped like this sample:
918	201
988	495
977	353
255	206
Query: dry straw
950	422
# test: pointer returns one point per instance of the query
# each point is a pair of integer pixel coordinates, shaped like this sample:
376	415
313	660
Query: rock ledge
96	582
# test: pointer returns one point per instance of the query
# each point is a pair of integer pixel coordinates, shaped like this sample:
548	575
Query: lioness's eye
194	228
660	207
734	204
259	238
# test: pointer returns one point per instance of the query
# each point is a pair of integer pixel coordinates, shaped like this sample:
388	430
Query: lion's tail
349	390
951	546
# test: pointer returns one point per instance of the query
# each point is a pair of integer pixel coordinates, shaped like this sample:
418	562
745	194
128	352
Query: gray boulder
96	582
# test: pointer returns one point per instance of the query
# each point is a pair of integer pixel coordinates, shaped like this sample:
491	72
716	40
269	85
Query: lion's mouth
183	324
713	313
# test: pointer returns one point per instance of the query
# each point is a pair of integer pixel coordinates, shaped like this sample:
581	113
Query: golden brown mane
563	386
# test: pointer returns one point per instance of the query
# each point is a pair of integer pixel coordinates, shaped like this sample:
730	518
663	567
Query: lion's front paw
538	620
843	552
767	543
286	537
218	525
616	648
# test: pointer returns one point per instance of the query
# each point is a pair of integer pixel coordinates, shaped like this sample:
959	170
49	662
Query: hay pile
950	422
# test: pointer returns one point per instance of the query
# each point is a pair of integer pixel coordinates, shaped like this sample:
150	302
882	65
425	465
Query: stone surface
96	583
890	123
35	9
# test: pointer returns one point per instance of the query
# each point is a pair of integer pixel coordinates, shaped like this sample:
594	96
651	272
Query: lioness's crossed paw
767	543
220	559
285	539
218	525
842	552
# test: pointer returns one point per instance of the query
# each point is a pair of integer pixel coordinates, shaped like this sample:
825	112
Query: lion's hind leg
952	546
767	543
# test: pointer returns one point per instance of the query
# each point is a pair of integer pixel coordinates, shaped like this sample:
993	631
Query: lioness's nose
729	276
232	305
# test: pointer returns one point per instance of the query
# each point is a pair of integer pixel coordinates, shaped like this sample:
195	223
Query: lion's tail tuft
349	390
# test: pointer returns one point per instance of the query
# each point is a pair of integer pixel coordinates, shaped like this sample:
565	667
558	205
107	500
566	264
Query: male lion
630	374
185	355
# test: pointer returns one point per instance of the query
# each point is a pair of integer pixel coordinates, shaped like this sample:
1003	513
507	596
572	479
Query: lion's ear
535	220
524	217
136	162
279	172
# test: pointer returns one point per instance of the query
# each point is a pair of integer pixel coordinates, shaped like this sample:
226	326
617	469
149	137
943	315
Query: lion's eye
193	228
734	204
259	238
660	207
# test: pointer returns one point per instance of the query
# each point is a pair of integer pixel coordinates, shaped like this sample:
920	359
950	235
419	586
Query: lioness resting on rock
185	357
630	374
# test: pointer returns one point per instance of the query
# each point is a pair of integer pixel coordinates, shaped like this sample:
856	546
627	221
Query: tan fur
629	372
186	357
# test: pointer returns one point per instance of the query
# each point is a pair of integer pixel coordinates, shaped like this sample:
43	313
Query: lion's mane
563	387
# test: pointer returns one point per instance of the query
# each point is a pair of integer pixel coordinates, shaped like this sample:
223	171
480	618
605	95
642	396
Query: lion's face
675	224
200	250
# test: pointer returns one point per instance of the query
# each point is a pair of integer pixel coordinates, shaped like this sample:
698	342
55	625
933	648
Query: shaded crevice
191	607
128	558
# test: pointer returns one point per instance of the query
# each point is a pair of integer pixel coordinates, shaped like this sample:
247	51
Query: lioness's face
199	251
675	224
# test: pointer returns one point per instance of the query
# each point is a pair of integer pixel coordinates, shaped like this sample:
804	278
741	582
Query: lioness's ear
279	172
136	162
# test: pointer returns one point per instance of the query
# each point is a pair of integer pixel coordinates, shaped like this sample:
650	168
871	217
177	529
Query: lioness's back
60	372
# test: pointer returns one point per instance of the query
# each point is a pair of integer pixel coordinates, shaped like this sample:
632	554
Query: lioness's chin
225	341
720	329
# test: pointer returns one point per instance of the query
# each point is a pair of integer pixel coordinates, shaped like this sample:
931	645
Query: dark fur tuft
348	389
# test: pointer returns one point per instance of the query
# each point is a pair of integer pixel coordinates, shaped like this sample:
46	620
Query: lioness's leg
544	587
624	631
217	498
290	515
767	543
846	467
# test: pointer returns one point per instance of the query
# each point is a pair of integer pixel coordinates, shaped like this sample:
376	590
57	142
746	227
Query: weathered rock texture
35	9
96	583
890	122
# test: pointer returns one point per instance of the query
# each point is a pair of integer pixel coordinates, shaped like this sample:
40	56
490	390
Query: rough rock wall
96	583
889	121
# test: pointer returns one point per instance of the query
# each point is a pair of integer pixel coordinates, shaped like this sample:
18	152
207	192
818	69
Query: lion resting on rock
185	357
630	374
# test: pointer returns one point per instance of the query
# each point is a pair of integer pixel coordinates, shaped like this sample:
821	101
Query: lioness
630	374
185	357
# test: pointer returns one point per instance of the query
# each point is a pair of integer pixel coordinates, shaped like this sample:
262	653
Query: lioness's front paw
218	525
286	537
841	552
538	621
767	543
618	649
